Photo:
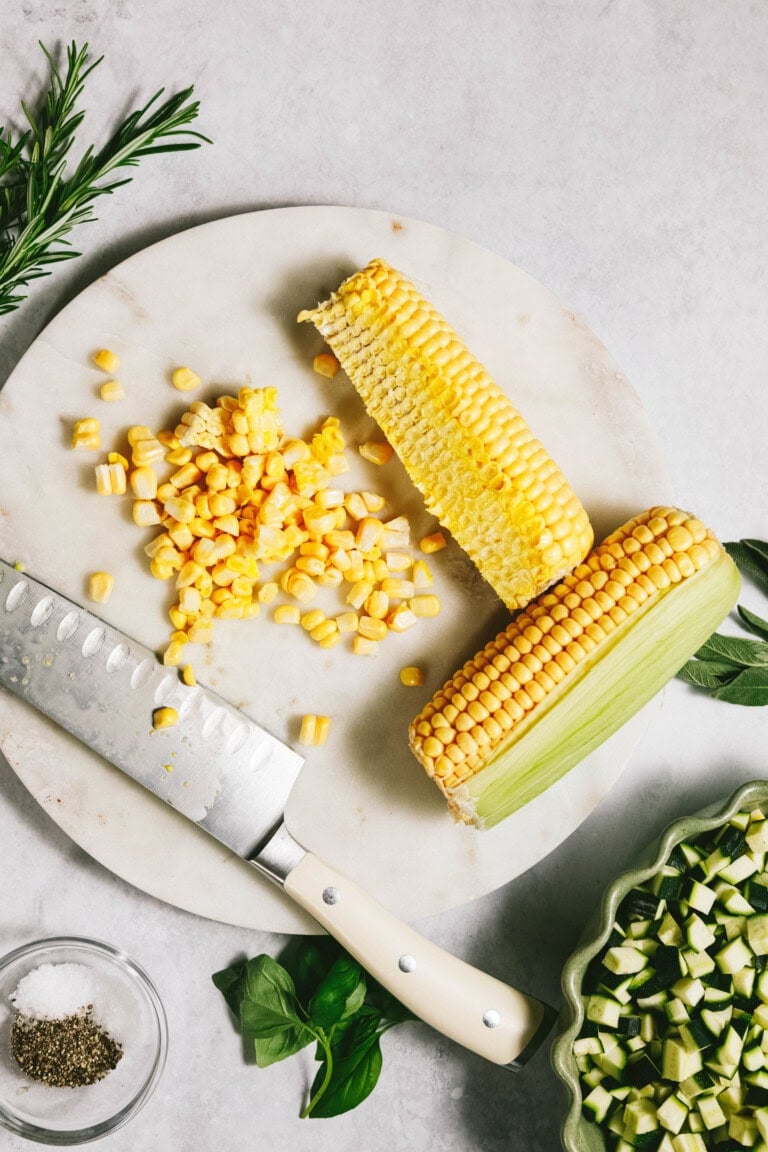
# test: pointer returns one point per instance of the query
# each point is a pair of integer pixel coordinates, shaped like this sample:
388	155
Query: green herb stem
325	1044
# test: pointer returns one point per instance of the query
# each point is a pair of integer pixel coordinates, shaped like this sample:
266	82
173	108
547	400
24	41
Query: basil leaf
749	556
231	982
354	1078
731	649
750	688
280	1045
268	1004
308	959
388	1005
340	994
707	673
755	623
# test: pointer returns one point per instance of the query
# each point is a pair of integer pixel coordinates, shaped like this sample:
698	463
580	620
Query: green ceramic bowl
578	1133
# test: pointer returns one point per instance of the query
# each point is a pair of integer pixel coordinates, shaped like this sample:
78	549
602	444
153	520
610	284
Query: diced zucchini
603	1011
598	1103
624	960
699	935
673	1113
743	1129
711	1113
700	897
639	1117
734	956
678	1061
740	869
757	933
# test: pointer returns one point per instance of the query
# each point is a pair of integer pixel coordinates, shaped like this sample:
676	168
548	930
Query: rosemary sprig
40	204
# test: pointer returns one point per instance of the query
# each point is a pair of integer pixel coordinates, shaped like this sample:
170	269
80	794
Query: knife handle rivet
407	963
331	895
491	1018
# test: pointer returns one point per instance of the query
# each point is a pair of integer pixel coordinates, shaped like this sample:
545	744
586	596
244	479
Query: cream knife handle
478	1011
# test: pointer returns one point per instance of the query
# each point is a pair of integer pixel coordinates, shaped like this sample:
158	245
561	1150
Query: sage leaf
749	688
707	673
733	650
755	623
341	993
750	557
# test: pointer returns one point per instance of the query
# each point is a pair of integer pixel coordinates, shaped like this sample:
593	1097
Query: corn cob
466	448
575	665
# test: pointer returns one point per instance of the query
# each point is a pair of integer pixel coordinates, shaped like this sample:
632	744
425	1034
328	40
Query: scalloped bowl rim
578	1134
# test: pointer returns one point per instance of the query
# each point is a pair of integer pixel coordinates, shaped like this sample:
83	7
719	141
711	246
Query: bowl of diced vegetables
663	1043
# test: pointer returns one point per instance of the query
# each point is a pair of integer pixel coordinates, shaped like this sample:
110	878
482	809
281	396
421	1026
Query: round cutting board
223	299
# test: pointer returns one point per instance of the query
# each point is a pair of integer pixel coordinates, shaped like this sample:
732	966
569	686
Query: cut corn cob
575	665
473	457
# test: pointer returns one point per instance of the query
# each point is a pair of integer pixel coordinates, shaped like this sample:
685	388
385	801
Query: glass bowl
578	1133
136	1018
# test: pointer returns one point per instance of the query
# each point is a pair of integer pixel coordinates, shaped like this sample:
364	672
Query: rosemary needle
40	203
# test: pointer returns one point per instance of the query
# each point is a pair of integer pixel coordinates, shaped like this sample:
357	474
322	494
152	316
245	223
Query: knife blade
223	771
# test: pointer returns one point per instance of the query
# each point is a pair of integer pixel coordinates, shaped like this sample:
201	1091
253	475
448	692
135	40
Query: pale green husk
620	675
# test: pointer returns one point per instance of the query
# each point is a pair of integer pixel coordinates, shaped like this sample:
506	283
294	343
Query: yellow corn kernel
400	619
359	593
398	561
343	539
154	546
299	585
373	501
355	505
100	585
201	632
398	588
188	675
149	451
368	533
287	614
177	617
347	621
138	432
159	570
422	576
143	482
185	380
377	451
362	646
146	513
106	360
173	654
310	620
189	599
117	479
112	390
377	604
424	605
103	480
168	439
164	718
181	534
337	464
268	592
326	364
232	609
330	578
432	543
372	629
86	434
188	474
328	639
117	458
324	630
411	677
180	509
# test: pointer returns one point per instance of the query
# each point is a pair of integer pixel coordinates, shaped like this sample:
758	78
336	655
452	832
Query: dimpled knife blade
217	767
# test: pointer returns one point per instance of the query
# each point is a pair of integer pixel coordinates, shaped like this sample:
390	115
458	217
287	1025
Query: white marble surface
617	152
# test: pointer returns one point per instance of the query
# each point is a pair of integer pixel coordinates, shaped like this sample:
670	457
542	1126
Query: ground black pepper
67	1053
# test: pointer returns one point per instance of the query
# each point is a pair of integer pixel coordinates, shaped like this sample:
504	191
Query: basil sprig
733	668
317	994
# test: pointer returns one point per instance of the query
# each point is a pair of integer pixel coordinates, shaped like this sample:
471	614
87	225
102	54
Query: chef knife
220	769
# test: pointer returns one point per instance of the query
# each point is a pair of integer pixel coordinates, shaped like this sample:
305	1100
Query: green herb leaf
749	688
40	204
231	982
733	650
707	673
755	623
340	994
750	557
308	960
287	1042
355	1073
268	1003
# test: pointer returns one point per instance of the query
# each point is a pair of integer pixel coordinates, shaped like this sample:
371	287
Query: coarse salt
54	991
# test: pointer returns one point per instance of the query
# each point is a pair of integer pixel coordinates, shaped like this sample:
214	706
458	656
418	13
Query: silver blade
217	767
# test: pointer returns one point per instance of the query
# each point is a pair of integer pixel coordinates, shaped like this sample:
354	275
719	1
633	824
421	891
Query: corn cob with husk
575	665
470	453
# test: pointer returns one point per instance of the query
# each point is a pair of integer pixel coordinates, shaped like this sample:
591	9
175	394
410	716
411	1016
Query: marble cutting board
223	298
